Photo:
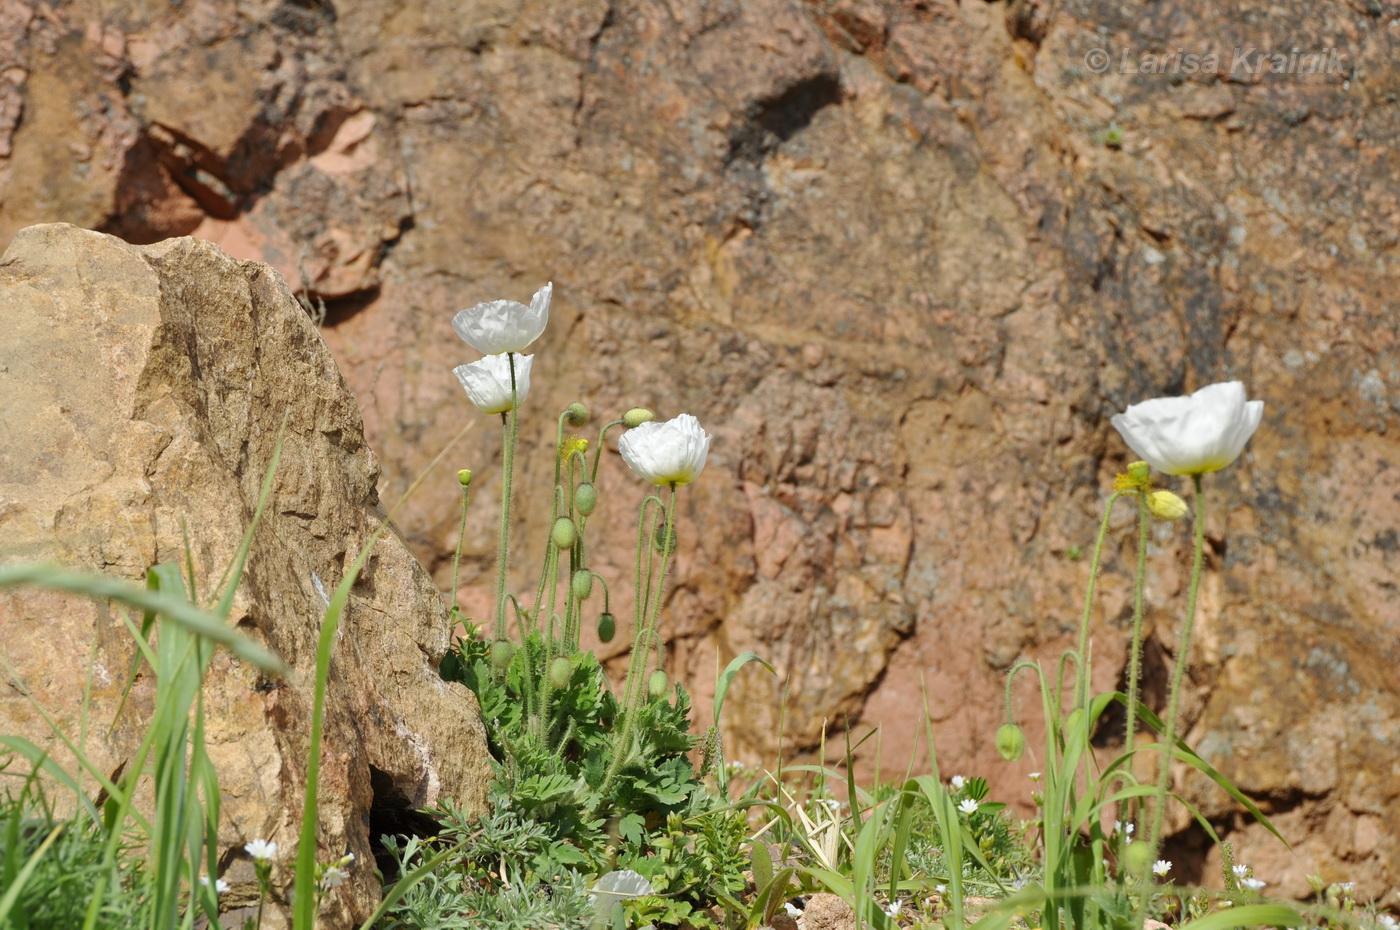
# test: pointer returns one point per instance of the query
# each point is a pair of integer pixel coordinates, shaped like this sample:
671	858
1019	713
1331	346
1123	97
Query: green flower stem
461	534
508	422
1082	680
645	615
1135	649
1179	673
598	452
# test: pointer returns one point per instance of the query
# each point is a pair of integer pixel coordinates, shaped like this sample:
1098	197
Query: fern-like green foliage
656	817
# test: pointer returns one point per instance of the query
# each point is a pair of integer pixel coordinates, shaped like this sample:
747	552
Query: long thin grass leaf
180	611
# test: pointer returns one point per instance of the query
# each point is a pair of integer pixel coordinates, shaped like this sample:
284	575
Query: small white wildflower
1124	828
1240	871
968	806
261	850
1346	888
832	805
1162	866
220	886
1035	776
893	908
941	889
957	781
1385	920
1253	884
334	877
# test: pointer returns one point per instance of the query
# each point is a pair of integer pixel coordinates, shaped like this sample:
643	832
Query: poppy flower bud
586	499
1011	742
583	584
656	685
502	651
1138	858
607	627
564	533
560	671
1166	506
636	417
576	414
660	538
464	477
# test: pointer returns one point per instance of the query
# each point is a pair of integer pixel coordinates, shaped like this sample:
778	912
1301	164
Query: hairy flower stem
1135	649
508	422
1082	681
645	616
457	555
1154	837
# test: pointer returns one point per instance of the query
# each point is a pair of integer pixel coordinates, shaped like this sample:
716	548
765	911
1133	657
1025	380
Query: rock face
904	258
141	394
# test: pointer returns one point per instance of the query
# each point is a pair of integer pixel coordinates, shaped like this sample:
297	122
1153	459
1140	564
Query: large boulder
904	258
142	390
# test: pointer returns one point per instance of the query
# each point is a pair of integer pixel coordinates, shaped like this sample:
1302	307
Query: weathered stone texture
142	390
885	251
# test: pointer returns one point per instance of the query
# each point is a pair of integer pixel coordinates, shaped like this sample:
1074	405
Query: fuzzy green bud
560	671
564	533
502	651
1165	505
576	414
607	627
583	584
636	417
464	477
659	539
1011	742
586	499
1140	472
657	683
1138	858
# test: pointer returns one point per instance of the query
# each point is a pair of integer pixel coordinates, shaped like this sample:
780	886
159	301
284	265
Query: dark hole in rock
391	813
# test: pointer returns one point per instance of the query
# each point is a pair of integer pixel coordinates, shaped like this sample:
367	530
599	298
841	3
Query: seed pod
560	671
564	533
583	584
464	477
586	498
607	628
656	685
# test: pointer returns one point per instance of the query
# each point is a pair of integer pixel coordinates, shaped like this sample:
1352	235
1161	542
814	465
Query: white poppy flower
261	850
670	453
500	326
1191	435
487	381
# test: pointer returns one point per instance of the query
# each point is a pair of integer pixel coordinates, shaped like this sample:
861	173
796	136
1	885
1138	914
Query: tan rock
826	912
141	393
